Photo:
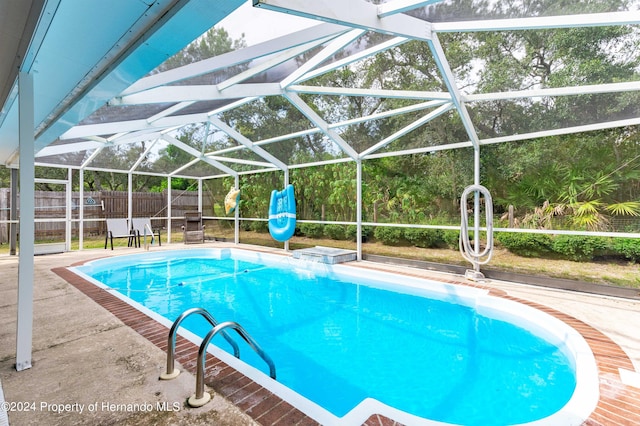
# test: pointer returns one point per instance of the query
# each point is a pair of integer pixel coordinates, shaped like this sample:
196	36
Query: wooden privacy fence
50	210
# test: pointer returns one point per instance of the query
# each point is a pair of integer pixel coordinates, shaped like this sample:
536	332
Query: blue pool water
337	339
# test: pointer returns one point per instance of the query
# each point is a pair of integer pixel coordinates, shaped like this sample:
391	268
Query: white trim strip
281	215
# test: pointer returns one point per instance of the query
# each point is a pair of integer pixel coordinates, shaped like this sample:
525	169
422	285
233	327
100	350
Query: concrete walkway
89	368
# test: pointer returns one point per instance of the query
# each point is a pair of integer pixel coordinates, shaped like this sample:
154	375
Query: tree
575	177
214	42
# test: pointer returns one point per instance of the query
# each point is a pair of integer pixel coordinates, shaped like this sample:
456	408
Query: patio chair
193	230
119	228
142	226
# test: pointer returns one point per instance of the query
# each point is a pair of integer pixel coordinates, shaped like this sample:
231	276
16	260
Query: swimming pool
407	348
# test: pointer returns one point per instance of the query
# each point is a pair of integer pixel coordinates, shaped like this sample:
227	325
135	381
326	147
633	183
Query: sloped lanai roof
155	107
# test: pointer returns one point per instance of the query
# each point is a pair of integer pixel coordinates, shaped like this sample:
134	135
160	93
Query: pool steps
200	397
328	255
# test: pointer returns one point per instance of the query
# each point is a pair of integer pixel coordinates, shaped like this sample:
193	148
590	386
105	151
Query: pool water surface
338	338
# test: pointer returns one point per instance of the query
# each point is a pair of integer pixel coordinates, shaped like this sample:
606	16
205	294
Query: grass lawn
609	272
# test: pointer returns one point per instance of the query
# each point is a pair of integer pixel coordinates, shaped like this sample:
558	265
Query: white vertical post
81	210
68	210
169	210
13	239
286	182
200	203
129	197
476	205
359	209
24	333
236	227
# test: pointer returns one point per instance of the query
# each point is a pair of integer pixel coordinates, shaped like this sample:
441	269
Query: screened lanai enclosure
506	117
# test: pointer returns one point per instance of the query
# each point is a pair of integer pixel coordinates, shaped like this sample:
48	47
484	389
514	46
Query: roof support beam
396	41
389	113
270	63
66	148
336	45
197	93
512	138
141	136
240	161
143	156
449	80
375	93
406	129
198	156
564	131
234	134
168	111
235	57
133	126
631	86
397	6
629	17
355	14
321	124
92	157
232	105
184	167
302	133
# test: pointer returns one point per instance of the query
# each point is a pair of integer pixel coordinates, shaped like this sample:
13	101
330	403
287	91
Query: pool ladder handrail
146	228
473	254
200	398
172	372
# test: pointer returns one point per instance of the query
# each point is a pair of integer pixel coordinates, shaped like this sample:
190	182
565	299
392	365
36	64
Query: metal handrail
202	352
171	341
145	229
473	254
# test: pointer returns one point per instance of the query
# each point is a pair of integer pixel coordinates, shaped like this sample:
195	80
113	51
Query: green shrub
628	247
389	236
451	238
579	247
352	232
423	237
528	245
260	226
335	232
312	230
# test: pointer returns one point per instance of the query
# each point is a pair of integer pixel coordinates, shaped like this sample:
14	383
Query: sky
260	25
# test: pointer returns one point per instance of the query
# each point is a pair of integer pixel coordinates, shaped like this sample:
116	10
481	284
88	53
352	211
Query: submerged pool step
325	255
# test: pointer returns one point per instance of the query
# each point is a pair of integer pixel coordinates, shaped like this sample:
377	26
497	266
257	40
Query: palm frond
628	208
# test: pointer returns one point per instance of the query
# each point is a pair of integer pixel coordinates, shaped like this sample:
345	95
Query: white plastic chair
119	228
142	226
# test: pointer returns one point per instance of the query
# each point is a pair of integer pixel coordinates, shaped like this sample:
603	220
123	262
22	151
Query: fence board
50	210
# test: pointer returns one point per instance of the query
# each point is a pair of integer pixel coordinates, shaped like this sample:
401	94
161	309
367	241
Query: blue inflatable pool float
282	214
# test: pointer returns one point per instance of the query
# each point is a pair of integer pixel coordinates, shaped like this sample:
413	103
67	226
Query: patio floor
98	363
